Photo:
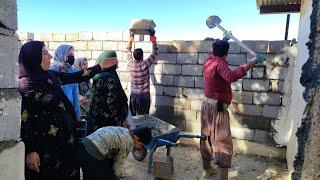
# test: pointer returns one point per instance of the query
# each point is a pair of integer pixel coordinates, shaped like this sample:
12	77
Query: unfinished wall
177	82
307	162
11	149
297	102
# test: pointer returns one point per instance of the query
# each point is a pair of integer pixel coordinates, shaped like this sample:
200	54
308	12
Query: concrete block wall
11	148
177	82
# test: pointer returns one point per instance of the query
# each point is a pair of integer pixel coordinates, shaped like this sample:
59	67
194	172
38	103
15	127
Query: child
102	153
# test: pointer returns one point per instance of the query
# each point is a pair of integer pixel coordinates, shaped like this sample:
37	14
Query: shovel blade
213	21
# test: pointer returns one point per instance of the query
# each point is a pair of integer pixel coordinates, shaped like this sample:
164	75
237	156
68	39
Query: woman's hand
109	62
33	161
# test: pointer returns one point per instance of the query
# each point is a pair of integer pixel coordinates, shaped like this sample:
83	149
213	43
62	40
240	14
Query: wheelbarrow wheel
140	155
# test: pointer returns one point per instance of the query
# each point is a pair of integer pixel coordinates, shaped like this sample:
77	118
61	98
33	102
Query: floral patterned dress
48	127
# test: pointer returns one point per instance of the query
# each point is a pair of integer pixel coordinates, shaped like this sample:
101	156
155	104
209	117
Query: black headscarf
31	75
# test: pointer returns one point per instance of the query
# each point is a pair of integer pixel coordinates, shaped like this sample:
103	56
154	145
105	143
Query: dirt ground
187	166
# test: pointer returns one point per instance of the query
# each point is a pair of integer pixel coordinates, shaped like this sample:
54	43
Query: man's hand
152	32
131	34
33	161
109	62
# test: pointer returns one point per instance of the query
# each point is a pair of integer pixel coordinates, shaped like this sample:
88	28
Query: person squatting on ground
214	115
62	62
109	103
48	120
140	76
102	153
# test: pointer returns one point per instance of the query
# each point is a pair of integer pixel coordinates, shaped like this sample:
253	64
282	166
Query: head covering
60	57
78	63
109	71
220	48
31	75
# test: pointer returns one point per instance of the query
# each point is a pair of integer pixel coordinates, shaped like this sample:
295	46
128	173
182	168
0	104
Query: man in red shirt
214	115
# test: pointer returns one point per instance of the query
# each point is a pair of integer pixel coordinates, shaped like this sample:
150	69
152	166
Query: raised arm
152	58
129	47
84	75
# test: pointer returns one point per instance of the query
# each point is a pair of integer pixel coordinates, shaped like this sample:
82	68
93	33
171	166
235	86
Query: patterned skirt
218	144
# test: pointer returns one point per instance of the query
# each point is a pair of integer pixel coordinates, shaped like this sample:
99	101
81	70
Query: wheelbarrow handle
163	142
191	136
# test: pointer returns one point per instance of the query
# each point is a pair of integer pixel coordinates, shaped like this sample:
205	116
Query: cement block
81	45
170	115
156	69
279	59
246	109
173	91
10	110
115	36
196	105
85	36
236	59
86	54
46	37
95	45
171	69
271	111
256	122
258	72
242	133
12	162
156	90
277	73
247	75
72	36
242	97
199	83
203	46
263	137
99	36
202	57
8	14
278	46
257	46
184	46
163	101
193	126
110	45
234	48
192	70
167	58
183	81
9	58
96	54
187	58
255	85
124	77
121	45
25	36
236	120
122	66
164	79
59	37
267	98
166	47
181	103
237	85
193	93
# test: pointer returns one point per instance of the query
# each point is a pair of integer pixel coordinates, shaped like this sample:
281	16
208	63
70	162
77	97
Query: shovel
214	21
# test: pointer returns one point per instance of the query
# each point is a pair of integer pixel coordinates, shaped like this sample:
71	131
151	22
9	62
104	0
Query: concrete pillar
11	148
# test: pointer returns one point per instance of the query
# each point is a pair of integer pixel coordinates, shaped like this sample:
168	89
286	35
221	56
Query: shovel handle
250	51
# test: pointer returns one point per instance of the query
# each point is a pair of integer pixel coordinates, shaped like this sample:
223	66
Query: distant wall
177	82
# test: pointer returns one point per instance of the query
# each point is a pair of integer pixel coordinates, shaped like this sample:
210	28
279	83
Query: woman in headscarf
48	120
62	62
84	87
109	103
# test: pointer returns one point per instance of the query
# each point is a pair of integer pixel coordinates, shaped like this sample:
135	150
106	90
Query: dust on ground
188	166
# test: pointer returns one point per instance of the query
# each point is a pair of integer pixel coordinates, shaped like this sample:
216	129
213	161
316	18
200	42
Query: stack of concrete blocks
11	148
260	99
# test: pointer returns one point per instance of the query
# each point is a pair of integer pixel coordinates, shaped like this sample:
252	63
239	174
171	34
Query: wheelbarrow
163	134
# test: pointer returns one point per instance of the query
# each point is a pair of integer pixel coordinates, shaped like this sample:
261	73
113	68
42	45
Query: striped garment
139	70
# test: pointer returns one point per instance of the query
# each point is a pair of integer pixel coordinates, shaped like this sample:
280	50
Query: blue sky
175	19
